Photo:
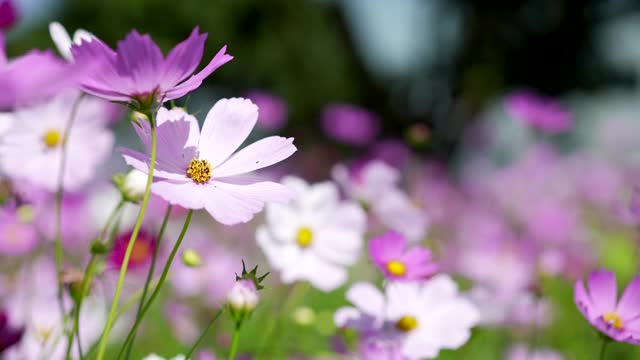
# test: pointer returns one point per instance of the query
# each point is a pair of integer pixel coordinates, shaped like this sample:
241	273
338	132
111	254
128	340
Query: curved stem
58	202
161	281
603	349
86	281
234	342
134	235
151	271
204	334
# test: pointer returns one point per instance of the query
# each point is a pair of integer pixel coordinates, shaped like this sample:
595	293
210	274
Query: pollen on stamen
199	171
614	320
52	138
304	237
407	323
396	268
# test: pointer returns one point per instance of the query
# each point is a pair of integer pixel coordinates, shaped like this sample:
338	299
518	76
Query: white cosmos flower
315	237
63	41
423	317
376	185
31	148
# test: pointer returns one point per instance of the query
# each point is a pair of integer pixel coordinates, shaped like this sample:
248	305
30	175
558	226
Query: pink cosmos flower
388	252
350	124
18	235
9	15
619	320
9	335
138	71
33	77
539	112
273	109
140	255
198	169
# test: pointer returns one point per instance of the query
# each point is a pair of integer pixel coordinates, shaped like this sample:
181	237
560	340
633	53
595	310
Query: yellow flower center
305	237
407	323
396	268
613	319
141	251
52	138
43	334
199	171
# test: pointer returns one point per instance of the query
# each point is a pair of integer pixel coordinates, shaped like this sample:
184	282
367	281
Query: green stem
58	202
86	281
603	349
151	271
134	235
204	333
161	281
234	342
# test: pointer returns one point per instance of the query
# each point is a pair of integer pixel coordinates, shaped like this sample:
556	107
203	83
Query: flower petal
183	59
260	154
603	290
367	298
228	124
187	194
629	305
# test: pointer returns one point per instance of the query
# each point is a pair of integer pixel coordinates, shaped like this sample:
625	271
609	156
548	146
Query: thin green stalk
204	334
58	202
134	235
88	276
151	271
163	278
603	349
234	342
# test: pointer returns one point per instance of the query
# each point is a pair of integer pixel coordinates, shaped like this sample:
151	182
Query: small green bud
98	248
191	258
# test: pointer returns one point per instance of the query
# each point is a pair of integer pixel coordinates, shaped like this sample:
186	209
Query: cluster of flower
71	239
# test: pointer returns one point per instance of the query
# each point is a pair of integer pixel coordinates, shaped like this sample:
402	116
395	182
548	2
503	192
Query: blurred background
433	75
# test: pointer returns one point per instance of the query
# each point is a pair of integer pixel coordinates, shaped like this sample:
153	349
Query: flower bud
133	185
243	297
191	258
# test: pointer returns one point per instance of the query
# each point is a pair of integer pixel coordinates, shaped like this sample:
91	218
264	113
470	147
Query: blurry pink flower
9	335
33	77
315	237
141	254
18	235
31	149
76	228
272	109
619	320
413	312
380	345
350	124
137	70
393	152
539	112
182	319
375	185
522	352
199	169
9	15
388	252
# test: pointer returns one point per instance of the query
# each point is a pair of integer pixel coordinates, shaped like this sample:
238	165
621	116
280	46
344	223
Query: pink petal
387	247
367	298
187	194
183	59
629	305
141	59
603	290
228	124
194	82
260	154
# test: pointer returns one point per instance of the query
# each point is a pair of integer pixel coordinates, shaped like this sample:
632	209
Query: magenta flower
273	109
18	235
350	124
141	254
388	252
33	77
137	70
618	320
198	169
9	15
9	335
539	112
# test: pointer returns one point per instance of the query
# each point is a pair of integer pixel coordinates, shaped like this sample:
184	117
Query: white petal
61	39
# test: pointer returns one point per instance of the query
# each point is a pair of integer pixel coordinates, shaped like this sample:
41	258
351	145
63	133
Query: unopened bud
134	185
191	258
243	297
304	316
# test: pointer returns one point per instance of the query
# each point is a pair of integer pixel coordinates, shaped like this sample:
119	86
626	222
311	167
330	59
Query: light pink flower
389	253
199	169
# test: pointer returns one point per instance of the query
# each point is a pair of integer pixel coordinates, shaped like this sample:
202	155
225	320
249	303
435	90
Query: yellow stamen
52	138
199	171
396	268
305	237
407	323
613	319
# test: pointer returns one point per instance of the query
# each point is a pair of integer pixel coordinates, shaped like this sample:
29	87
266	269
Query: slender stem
58	202
294	293
151	271
86	281
603	349
163	278
134	235
204	334
234	342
